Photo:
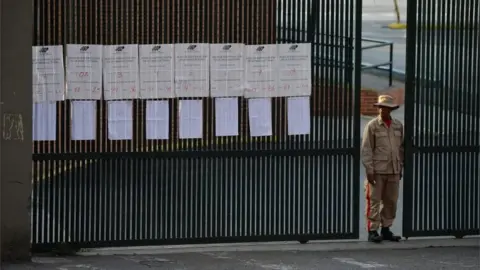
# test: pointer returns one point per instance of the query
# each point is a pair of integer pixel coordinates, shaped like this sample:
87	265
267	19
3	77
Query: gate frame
354	149
410	148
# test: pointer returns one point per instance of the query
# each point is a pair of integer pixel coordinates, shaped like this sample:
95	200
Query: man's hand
371	179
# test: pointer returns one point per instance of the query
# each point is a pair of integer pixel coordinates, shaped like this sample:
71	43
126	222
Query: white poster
44	121
260	71
156	71
120	72
294	70
190	114
157	120
120	120
226	117
192	70
298	115
48	75
84	119
260	117
227	70
84	71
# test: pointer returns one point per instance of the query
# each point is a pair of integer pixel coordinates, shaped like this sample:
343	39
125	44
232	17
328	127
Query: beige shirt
382	147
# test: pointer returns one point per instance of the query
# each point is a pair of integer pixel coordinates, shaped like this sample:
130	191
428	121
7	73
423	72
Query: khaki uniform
382	155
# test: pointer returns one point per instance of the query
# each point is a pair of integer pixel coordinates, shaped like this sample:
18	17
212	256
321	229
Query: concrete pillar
16	26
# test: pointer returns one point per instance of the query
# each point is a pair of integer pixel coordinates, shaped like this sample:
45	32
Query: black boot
389	236
374	237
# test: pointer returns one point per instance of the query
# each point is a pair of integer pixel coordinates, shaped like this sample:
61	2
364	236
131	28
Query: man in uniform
382	156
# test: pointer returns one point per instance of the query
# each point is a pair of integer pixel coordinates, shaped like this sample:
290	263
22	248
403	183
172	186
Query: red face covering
388	122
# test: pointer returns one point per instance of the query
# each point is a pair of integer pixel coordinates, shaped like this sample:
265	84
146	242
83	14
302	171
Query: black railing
340	60
376	43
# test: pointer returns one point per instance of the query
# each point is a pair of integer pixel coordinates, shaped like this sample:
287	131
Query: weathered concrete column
16	26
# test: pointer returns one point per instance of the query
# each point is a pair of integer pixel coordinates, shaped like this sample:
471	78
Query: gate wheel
303	241
459	236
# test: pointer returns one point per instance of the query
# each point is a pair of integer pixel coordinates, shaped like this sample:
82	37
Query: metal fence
442	119
144	192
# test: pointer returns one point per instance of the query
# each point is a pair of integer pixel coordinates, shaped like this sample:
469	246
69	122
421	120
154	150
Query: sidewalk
450	254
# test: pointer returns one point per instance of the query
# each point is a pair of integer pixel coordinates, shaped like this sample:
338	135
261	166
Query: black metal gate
442	115
145	192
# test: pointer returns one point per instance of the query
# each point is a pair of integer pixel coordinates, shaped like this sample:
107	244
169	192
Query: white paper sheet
45	121
84	119
192	70
298	115
120	72
190	83
120	85
260	71
48	74
84	71
191	119
227	70
226	117
294	70
260	116
120	120
157	118
156	71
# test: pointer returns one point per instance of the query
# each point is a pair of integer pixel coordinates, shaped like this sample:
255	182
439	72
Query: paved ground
377	14
428	258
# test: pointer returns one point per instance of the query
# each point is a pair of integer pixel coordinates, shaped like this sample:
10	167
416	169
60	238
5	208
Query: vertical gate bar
459	14
410	86
464	140
432	115
268	184
36	180
330	80
323	88
420	125
469	92
476	84
448	104
318	108
356	115
347	105
476	183
335	136
444	120
42	222
62	168
309	37
342	189
475	125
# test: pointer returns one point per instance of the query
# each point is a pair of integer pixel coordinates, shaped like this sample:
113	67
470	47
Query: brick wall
367	99
336	101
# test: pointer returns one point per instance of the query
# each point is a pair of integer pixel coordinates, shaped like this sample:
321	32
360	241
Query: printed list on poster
121	73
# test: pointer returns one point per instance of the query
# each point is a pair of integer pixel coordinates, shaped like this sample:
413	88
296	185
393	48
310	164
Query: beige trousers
381	201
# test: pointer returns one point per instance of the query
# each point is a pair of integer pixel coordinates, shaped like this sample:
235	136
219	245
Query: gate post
409	109
16	20
356	123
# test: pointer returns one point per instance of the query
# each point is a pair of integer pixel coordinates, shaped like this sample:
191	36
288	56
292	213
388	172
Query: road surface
426	259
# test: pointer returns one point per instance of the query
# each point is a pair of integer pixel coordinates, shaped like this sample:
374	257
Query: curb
397	26
466	26
325	246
